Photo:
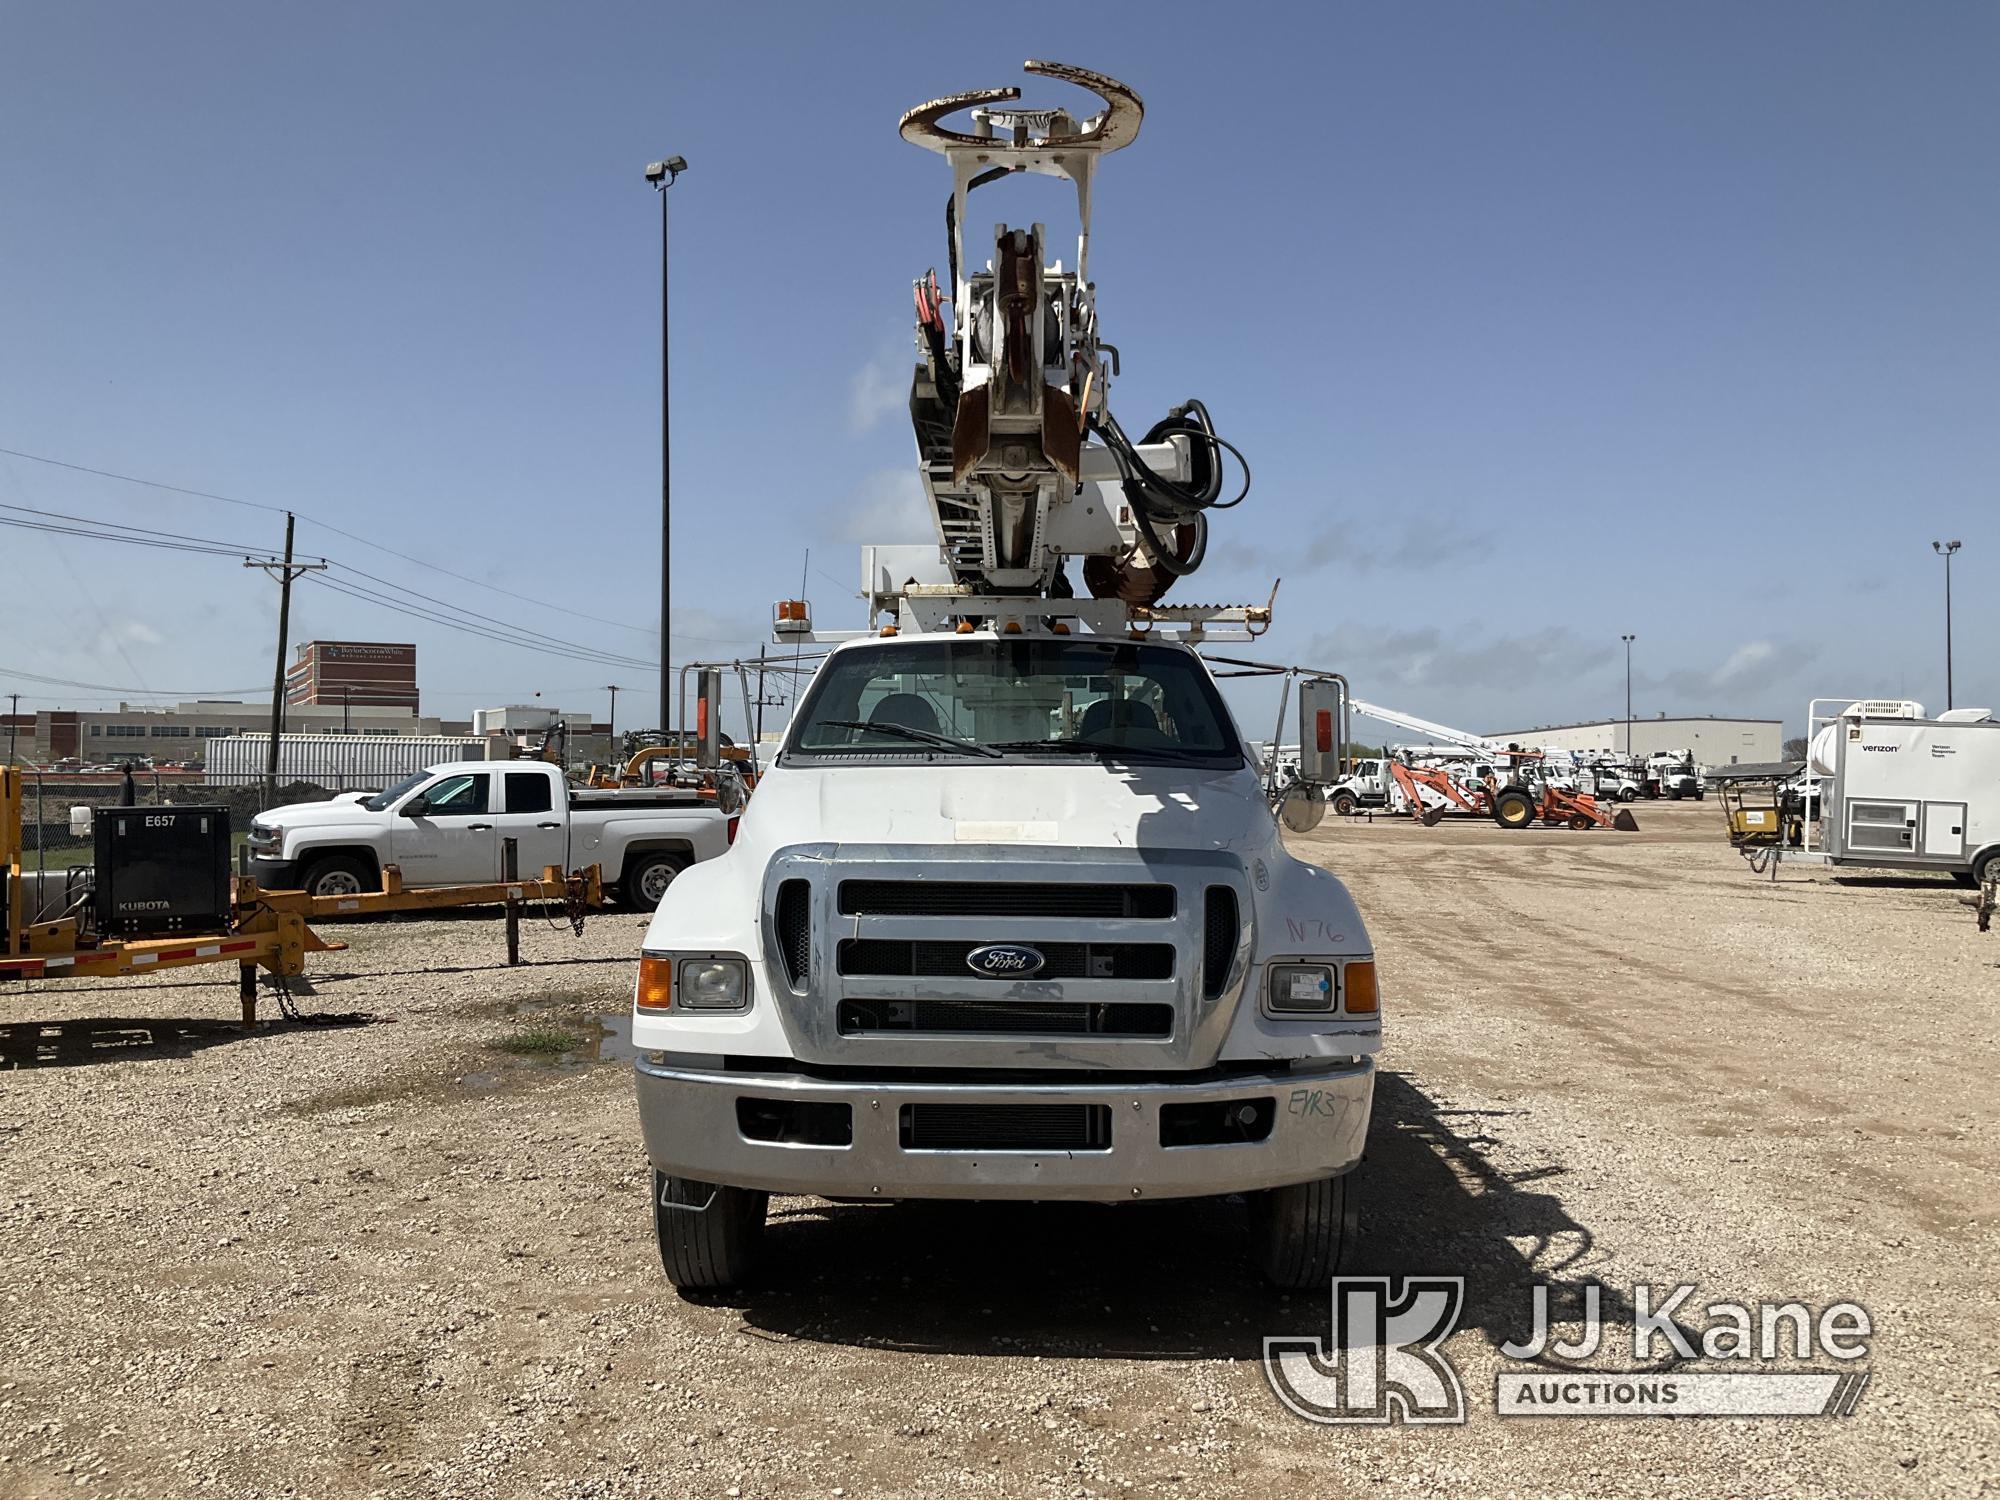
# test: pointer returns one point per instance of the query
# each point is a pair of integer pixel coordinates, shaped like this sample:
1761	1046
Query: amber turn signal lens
656	983
1358	995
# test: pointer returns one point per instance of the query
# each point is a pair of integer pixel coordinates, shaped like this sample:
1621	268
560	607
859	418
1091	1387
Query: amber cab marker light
656	983
1358	996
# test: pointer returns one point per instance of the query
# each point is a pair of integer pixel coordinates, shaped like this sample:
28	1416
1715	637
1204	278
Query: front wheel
1628	795
1301	1234
338	875
1343	804
709	1235
646	879
1514	808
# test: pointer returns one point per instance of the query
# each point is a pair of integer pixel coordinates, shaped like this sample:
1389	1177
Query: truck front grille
793	921
1003	898
1006	1127
1124	1018
1219	935
903	958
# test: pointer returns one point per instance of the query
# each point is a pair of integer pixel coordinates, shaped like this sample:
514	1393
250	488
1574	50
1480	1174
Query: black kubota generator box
162	871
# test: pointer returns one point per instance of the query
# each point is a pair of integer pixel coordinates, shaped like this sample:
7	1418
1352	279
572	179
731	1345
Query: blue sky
1540	322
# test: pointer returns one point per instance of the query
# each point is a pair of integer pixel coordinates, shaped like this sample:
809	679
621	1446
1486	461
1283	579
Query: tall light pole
661	175
1945	550
611	724
1628	640
13	713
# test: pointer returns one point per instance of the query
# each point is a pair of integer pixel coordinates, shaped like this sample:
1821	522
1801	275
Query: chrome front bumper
1318	1129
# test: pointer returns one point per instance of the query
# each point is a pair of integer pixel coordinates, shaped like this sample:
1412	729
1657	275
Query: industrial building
354	674
1715	741
180	732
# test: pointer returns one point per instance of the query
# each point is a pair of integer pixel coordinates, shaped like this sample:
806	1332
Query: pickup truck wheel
1628	795
709	1235
1301	1234
1343	804
339	875
646	879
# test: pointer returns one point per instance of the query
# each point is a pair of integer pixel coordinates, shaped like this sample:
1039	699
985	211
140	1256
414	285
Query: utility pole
611	724
661	175
13	713
345	695
1945	550
1628	640
284	572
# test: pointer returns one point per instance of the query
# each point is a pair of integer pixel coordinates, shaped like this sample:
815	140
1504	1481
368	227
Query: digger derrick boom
1022	460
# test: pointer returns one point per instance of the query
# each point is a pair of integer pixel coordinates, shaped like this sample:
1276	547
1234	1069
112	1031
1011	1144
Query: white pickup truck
444	826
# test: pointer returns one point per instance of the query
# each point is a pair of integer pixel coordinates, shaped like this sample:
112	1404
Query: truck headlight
264	835
1300	987
711	984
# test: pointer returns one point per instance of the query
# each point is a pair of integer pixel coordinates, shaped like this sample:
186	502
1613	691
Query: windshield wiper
922	736
1087	747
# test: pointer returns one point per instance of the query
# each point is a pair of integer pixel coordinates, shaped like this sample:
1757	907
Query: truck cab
1008	917
1367	785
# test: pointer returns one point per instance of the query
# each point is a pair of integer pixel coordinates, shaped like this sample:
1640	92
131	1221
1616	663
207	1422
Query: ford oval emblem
1004	961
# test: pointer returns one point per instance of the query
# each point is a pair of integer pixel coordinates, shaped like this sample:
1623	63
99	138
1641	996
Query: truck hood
340	812
1090	805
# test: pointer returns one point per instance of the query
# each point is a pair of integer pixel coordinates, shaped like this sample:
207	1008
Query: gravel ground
392	1258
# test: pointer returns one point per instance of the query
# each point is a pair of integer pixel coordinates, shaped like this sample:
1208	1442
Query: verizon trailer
1899	790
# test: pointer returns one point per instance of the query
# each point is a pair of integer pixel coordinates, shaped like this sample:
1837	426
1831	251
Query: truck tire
1514	808
709	1235
1986	867
1629	795
339	875
1343	804
1301	1234
646	877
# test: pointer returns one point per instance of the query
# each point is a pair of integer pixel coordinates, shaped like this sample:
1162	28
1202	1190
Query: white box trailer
338	762
1900	790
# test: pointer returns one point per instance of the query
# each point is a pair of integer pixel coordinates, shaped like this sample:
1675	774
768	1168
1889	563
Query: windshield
383	801
1033	699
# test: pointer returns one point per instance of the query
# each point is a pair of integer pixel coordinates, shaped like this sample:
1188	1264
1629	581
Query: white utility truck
1367	785
1009	916
445	826
1896	789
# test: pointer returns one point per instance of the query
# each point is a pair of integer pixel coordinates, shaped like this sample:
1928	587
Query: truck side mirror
417	806
1321	749
708	720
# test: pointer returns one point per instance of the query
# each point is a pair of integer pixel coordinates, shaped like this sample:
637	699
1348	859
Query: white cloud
1743	659
888	506
881	388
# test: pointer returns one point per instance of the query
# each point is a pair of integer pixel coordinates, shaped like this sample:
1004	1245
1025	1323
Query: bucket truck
1008	916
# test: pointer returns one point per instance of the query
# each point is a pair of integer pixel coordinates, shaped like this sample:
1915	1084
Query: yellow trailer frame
272	939
584	888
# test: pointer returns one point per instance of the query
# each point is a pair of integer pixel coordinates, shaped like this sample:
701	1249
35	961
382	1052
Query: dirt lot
390	1258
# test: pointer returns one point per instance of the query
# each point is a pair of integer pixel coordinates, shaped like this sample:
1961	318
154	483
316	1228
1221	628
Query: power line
100	687
147	531
181	542
517	636
602	659
314	521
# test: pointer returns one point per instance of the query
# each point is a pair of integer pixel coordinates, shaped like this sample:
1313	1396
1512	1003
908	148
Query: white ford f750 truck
1009	915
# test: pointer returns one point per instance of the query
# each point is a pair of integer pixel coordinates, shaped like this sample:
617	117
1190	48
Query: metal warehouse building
1714	741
